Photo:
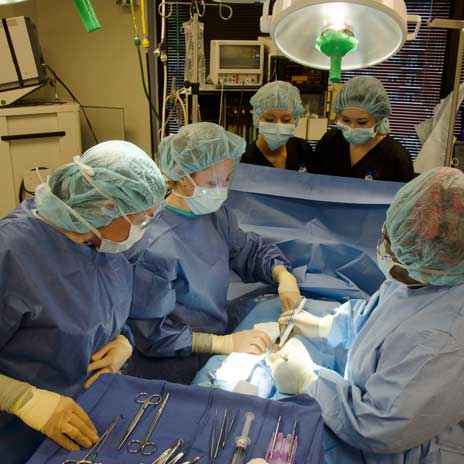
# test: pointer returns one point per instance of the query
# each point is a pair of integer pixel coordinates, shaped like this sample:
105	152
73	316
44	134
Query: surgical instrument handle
157	417
92	454
148	401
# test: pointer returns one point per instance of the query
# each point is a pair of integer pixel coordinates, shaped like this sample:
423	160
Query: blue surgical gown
401	399
59	303
182	268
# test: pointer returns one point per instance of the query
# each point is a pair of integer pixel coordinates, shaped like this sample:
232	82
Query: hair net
196	147
368	94
121	170
426	227
276	95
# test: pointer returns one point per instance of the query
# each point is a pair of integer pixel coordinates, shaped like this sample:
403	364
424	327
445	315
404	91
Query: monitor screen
239	56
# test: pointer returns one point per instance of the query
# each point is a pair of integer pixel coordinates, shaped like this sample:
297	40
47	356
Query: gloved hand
110	358
292	367
58	417
246	341
308	325
257	461
288	289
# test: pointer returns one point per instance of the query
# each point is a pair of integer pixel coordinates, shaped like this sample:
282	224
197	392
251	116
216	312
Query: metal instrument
221	434
297	308
292	444
145	400
164	457
274	438
229	427
213	433
91	456
145	446
194	460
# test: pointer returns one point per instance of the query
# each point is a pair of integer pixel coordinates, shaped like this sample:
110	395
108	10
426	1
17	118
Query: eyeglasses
143	220
382	244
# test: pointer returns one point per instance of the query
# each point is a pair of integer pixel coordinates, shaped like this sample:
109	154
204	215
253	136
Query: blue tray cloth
188	415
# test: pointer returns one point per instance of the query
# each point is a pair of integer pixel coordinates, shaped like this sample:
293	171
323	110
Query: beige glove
110	358
257	461
288	289
246	341
58	417
308	325
291	367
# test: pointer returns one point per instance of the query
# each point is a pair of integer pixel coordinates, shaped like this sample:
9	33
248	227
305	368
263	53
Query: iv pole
197	10
453	24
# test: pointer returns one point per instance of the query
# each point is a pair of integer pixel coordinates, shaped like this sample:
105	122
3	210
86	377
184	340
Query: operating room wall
101	68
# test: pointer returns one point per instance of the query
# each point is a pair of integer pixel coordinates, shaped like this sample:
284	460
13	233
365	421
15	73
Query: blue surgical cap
196	147
121	170
368	94
426	227
276	95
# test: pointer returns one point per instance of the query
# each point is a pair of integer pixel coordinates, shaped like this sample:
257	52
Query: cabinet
35	135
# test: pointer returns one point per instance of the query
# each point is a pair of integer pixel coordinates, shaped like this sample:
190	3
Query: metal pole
454	101
195	31
458	25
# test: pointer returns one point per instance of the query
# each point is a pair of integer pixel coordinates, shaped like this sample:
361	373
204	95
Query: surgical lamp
336	35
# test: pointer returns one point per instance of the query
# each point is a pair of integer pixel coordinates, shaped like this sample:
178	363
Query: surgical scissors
92	454
145	400
139	446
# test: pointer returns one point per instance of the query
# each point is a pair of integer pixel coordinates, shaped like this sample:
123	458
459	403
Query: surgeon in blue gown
182	265
65	293
401	398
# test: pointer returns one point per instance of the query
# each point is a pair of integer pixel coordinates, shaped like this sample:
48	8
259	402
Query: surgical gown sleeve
127	332
251	256
348	321
156	330
414	394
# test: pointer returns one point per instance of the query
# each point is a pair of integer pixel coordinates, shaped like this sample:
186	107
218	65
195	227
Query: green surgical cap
368	94
426	227
276	95
196	147
121	170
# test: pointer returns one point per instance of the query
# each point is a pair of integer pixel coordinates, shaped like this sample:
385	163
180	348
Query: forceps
145	400
140	446
92	454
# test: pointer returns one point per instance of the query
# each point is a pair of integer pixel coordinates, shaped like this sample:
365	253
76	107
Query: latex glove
246	341
308	325
292	367
58	417
257	461
288	289
110	358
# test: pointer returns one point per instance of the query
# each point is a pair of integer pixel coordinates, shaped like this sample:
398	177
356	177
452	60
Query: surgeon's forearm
210	343
278	271
11	391
202	342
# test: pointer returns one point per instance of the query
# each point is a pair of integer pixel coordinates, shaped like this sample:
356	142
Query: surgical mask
357	136
204	200
109	246
276	134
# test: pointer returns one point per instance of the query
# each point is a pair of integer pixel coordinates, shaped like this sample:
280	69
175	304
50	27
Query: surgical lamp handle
417	20
87	14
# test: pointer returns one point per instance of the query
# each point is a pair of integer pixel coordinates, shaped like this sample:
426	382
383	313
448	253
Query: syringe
243	441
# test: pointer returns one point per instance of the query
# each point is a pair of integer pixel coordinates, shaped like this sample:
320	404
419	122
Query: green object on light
87	14
335	45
